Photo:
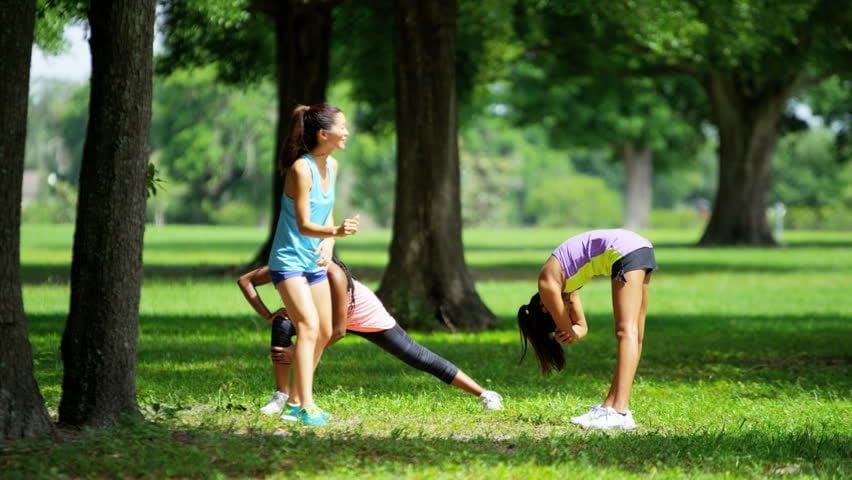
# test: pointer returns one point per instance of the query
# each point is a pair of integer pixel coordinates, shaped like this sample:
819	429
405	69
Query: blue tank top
292	251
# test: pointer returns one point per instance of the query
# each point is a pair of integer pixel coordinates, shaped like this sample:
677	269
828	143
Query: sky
74	63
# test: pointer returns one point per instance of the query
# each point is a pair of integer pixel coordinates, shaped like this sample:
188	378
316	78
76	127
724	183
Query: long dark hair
350	281
306	122
536	328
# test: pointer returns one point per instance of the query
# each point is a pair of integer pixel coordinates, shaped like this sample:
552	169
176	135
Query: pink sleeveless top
367	313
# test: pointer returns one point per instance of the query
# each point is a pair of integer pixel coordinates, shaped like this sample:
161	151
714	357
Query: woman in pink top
555	317
355	309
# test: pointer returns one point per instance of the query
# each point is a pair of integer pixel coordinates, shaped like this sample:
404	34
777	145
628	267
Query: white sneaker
584	419
612	420
491	400
275	405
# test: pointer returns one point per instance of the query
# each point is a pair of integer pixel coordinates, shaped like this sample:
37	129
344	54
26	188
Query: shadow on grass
156	450
61	274
774	354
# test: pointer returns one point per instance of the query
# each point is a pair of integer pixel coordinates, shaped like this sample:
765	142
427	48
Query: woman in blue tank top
303	240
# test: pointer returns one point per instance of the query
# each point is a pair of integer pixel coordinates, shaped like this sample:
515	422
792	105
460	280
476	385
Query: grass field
744	373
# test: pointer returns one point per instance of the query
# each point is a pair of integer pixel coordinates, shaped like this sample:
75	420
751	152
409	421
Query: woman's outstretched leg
398	343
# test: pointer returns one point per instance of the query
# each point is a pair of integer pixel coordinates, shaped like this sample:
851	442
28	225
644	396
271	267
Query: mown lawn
744	372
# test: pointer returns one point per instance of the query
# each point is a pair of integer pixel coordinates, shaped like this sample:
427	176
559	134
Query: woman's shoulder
301	167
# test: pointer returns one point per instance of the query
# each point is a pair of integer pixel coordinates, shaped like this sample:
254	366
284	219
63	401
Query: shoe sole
626	429
271	412
318	424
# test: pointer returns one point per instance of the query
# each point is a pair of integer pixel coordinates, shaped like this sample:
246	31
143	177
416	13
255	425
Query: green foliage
56	203
236	213
226	35
694	181
806	173
678	218
485	46
812	182
737	355
154	180
766	42
607	112
366	64
372	158
832	101
56	129
215	139
52	16
576	201
834	218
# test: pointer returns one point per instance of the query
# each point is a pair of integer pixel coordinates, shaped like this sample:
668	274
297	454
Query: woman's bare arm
248	283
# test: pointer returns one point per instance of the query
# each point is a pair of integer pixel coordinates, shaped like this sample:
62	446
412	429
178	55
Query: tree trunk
99	342
303	33
638	177
748	123
22	412
427	283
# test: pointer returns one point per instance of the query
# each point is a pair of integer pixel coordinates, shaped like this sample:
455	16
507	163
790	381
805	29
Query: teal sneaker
291	413
313	417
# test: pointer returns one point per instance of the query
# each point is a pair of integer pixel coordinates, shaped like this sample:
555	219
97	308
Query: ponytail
305	123
536	328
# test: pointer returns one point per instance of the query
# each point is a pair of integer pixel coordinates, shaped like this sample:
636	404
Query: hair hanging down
536	328
306	122
350	282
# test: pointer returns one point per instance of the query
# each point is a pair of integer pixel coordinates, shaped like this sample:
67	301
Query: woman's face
335	137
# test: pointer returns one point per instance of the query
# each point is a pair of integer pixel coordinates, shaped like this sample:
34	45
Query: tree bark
427	283
303	33
748	119
22	411
638	178
99	342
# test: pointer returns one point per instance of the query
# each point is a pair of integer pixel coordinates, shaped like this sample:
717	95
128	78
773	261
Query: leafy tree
832	101
586	202
750	57
373	157
636	119
22	411
427	282
212	141
99	341
806	170
49	149
251	40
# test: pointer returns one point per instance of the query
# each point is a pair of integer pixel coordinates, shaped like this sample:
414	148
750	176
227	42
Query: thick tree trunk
22	412
748	121
638	177
99	342
303	33
427	283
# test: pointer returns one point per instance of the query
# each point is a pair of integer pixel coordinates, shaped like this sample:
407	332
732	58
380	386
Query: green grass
744	372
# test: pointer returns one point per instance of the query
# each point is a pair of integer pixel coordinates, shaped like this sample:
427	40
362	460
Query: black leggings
394	341
397	342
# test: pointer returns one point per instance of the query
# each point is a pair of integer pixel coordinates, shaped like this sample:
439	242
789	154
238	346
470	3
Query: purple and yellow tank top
592	253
